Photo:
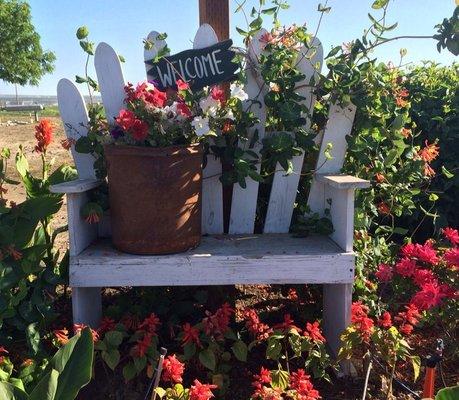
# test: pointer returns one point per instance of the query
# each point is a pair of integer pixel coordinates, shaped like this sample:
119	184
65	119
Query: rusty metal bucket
155	198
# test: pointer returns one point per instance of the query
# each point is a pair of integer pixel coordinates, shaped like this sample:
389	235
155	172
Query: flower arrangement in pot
154	157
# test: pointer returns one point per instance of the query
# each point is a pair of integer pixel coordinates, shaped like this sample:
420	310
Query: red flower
384	273
125	119
254	325
406	267
426	253
150	324
287	325
452	257
292	294
218	93
3	351
380	178
190	335
184	110
313	332
139	130
423	276
107	324
429	296
61	336
408	250
385	320
173	370
452	235
201	391
67	143
141	348
383	208
406	329
301	383
44	135
218	323
181	85
77	328
361	321
410	316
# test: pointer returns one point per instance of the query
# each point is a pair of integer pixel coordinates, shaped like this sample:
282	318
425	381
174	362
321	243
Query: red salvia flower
301	383
313	332
61	336
44	135
429	296
385	320
107	324
142	345
384	273
68	143
190	335
218	324
361	321
201	391
150	324
287	325
253	324
172	370
406	267
130	322
452	257
452	235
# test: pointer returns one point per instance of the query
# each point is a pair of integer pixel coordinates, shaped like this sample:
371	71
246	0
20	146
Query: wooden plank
219	260
216	14
244	200
212	190
339	125
285	187
74	115
343	181
81	234
342	215
87	306
77	186
111	80
156	45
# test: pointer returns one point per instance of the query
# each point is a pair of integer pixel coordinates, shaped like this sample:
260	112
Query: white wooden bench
35	108
241	257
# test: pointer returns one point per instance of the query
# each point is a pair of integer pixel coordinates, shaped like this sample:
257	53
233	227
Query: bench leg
337	313
87	306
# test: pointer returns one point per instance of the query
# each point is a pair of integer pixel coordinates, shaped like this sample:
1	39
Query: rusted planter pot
155	198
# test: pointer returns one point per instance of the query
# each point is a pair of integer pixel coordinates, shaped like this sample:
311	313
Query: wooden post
216	14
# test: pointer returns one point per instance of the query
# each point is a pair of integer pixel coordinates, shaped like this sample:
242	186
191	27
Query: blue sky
123	24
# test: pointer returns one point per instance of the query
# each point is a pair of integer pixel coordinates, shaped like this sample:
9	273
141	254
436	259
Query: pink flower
184	110
173	370
423	276
218	93
429	296
181	85
384	273
201	391
452	235
406	267
452	257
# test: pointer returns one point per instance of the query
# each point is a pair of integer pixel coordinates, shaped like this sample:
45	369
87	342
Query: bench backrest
244	201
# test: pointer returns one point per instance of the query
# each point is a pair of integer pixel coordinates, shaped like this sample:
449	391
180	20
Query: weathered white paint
77	186
156	46
87	306
72	110
110	78
81	234
339	125
212	190
285	187
337	300
342	215
219	260
244	200
343	181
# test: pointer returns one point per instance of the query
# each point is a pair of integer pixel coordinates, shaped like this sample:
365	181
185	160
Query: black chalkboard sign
201	67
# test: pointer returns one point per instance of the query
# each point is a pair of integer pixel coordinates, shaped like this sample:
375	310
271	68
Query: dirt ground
16	135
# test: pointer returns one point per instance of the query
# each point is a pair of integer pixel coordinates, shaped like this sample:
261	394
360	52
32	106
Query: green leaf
74	364
416	362
33	337
379	4
129	371
207	358
449	393
111	358
445	172
240	350
279	379
274	349
11	392
113	338
46	388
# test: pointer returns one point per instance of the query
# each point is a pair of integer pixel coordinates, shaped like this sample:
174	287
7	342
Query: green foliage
449	393
68	371
23	61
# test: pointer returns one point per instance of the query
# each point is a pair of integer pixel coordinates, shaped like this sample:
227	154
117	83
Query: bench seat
219	260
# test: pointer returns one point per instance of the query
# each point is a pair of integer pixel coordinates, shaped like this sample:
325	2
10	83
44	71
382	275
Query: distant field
49	111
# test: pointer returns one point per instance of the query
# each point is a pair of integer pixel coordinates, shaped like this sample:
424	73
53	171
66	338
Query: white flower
200	125
238	92
209	106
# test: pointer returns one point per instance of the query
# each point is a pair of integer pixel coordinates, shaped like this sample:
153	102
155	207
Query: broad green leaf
207	358
449	393
46	388
129	371
113	338
279	379
379	4
416	362
11	392
240	350
33	337
111	358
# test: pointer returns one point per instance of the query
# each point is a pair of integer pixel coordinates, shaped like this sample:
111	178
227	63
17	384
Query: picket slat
111	80
156	46
285	187
339	125
72	110
244	202
212	191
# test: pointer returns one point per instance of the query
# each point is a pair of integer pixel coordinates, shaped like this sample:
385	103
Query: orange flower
27	362
383	208
77	328
61	336
430	152
428	170
380	178
68	143
44	135
406	132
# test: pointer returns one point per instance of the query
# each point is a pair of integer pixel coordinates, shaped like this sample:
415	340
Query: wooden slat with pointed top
285	187
111	80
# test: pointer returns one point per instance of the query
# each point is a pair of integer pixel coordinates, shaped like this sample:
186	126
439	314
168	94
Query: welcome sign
200	67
